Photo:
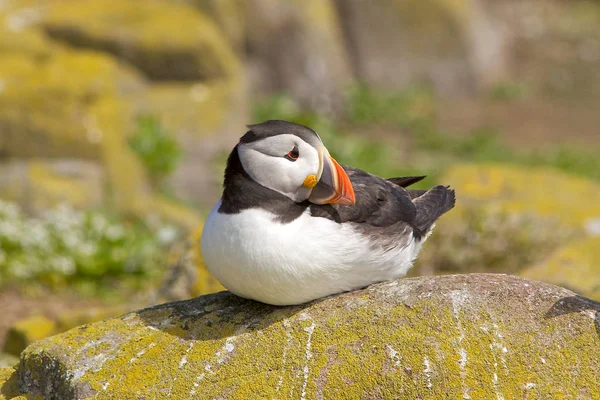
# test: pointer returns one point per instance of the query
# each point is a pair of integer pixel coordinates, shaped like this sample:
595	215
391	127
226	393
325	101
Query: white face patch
264	160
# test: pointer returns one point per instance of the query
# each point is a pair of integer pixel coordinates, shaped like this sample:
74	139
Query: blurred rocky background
116	117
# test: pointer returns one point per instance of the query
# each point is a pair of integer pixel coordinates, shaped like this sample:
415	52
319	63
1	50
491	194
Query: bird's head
292	160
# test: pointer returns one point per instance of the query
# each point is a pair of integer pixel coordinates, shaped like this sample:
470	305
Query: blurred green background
116	117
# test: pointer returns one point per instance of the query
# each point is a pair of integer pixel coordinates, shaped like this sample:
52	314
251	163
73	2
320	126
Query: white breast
259	258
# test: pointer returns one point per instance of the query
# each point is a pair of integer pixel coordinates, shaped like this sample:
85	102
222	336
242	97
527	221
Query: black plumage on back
385	207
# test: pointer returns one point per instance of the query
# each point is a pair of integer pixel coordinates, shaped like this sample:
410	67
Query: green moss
441	337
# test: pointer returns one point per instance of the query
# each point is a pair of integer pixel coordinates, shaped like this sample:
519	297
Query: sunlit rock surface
461	336
167	41
575	266
545	192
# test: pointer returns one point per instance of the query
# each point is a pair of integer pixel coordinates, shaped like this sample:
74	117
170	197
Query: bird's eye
293	154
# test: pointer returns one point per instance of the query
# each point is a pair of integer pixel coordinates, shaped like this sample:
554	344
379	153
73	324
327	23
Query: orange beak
334	186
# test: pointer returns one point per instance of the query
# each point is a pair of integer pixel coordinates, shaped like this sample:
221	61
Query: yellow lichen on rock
575	266
44	102
109	118
165	40
27	331
205	282
508	217
175	212
39	184
49	187
9	385
91	120
545	192
37	327
191	109
31	42
72	319
478	336
72	84
231	18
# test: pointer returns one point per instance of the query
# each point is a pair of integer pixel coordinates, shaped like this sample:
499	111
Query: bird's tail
430	206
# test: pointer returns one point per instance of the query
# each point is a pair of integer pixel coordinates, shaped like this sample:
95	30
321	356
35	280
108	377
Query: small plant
83	249
413	106
508	91
156	148
571	159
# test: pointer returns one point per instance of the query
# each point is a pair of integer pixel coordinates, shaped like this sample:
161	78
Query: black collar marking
241	192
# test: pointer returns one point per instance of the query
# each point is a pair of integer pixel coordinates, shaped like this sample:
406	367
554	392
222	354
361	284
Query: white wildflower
71	239
166	234
10	230
115	232
99	223
9	210
19	269
63	264
87	249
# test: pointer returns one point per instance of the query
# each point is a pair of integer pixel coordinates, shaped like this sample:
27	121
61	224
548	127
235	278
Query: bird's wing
379	203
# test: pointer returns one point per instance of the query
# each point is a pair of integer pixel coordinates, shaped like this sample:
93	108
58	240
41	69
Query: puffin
293	225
